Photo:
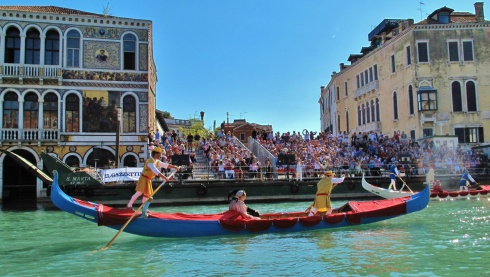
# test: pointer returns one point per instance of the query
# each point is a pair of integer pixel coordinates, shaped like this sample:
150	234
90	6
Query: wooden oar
134	214
405	184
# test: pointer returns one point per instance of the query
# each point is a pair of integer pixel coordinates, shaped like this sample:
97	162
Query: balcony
372	86
29	135
22	71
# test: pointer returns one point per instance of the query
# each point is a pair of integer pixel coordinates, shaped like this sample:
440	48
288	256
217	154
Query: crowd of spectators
226	159
352	154
368	152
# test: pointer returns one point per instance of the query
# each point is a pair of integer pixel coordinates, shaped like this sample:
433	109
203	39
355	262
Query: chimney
480	16
342	66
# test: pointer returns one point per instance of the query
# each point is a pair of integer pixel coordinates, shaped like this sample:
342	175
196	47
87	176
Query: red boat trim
85	203
310	221
258	225
284	222
443	194
334	218
454	193
232	225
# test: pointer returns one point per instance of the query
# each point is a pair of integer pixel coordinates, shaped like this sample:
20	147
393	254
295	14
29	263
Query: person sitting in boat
150	170
394	172
232	195
463	183
325	186
437	188
238	204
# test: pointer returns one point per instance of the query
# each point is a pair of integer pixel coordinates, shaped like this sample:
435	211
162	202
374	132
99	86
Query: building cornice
82	20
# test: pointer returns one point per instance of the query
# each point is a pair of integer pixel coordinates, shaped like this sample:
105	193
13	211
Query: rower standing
463	185
394	172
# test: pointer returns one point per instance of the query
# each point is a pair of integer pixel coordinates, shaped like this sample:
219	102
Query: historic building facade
429	78
80	86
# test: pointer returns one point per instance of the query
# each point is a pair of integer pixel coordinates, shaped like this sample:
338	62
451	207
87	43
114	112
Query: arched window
129	114
130	161
31	111
456	97
12	46
368	112
52	48
395	106
347	121
50	111
410	100
358	115
373	115
471	96
73	49
11	110
338	123
72	113
363	112
72	161
129	48
377	110
33	47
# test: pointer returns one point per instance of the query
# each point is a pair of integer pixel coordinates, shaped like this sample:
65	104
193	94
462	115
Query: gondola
158	224
384	193
478	192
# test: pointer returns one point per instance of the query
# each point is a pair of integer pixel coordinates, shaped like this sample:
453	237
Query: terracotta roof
456	17
48	9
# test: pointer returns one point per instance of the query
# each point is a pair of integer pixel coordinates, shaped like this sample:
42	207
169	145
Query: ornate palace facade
70	82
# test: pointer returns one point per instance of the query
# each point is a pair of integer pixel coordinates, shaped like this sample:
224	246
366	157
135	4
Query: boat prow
382	192
230	222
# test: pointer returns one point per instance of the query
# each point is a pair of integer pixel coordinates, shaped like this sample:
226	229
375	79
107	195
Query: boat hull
382	192
230	222
482	191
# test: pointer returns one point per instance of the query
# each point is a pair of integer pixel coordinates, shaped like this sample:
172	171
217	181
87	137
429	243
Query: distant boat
480	191
382	192
231	223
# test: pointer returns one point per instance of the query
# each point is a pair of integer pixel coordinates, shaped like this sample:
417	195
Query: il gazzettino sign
124	174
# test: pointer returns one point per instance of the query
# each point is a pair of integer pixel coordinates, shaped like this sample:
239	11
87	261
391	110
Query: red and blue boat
157	224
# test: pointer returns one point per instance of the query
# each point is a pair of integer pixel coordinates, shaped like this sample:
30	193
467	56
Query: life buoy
202	190
351	186
167	188
294	188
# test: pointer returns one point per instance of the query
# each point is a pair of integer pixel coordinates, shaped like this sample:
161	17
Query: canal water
448	238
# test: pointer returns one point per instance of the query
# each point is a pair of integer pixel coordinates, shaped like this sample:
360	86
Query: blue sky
260	60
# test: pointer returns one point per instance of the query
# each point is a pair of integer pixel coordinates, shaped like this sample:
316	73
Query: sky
259	60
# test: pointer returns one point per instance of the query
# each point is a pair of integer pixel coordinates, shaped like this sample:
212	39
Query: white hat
240	193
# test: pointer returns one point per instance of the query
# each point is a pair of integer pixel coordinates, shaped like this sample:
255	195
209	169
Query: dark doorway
102	157
130	161
19	185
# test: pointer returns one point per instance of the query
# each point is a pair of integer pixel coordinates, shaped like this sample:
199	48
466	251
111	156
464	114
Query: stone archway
19	185
103	157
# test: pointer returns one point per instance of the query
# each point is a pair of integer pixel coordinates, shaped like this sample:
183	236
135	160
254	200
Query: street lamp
118	130
202	116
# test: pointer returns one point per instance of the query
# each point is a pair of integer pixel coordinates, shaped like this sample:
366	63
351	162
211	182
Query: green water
449	238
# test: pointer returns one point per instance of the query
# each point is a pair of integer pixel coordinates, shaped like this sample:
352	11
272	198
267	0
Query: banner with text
121	174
